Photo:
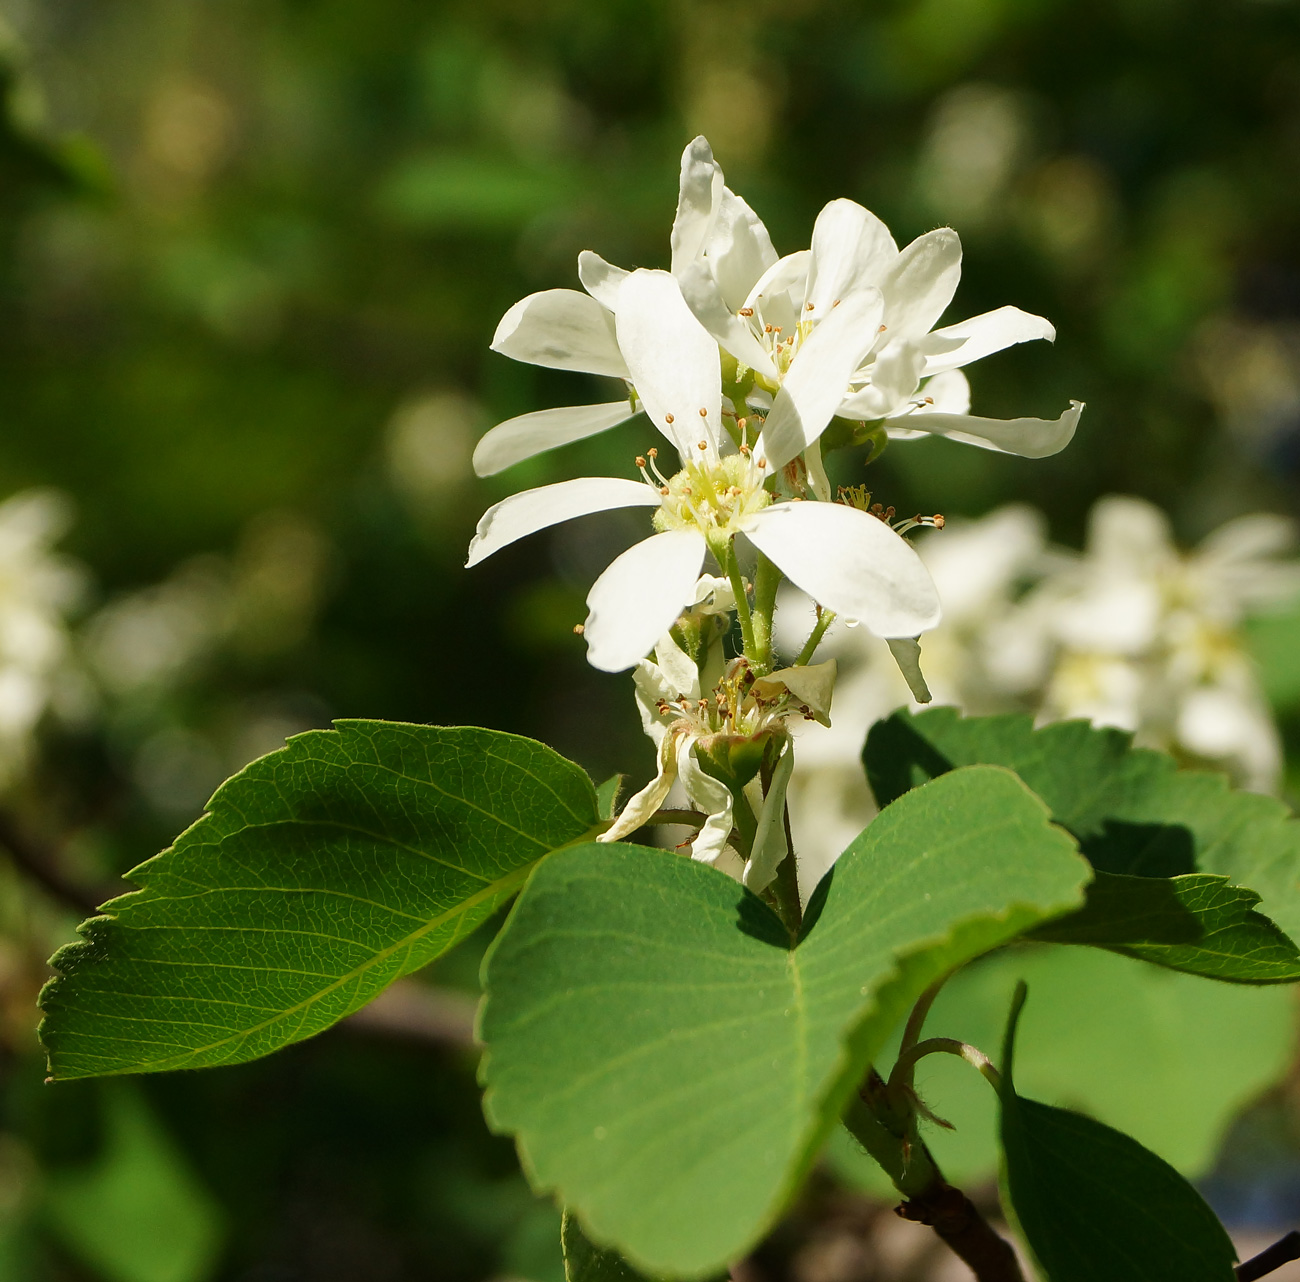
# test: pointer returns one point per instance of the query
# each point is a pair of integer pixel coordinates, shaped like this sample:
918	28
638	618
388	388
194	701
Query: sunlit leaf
320	874
670	1065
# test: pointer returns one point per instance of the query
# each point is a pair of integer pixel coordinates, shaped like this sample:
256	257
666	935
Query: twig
40	862
956	1219
1274	1257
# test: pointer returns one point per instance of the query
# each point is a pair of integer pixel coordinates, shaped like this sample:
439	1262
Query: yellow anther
704	445
668	418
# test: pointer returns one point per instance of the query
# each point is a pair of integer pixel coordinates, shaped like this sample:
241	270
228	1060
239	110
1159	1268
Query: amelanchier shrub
672	1040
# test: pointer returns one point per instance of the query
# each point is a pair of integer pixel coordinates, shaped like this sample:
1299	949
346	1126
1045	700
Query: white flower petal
653	689
532	510
678	668
640	807
698	193
673	362
982	335
600	279
738	249
948	393
519	438
769	839
710	795
851	563
778	295
895	374
851	250
920	284
561	329
637	598
819	375
700	290
1027	437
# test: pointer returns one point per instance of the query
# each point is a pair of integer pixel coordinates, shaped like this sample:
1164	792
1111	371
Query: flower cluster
1130	633
750	364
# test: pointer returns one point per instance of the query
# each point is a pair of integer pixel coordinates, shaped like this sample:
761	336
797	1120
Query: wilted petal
698	193
672	360
812	685
851	563
1027	437
643	805
561	329
819	375
921	283
519	438
711	796
851	250
532	510
637	598
600	279
728	330
769	840
980	336
907	654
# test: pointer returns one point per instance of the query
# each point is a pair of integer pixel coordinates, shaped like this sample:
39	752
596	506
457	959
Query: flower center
714	497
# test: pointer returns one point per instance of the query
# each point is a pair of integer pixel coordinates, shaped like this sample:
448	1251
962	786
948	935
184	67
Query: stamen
704	413
746	311
668	418
836	303
762	462
882	329
809	306
640	462
579	629
703	445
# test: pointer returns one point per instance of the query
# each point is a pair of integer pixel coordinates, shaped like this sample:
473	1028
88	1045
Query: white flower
850	561
845	328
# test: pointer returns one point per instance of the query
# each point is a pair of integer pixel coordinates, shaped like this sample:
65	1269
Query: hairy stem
825	618
901	1077
767	579
746	621
891	1137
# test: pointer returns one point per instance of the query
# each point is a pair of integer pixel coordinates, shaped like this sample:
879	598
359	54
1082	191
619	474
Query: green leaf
320	874
1093	1203
607	795
1094	1015
1132	810
671	1066
1196	923
585	1262
136	1213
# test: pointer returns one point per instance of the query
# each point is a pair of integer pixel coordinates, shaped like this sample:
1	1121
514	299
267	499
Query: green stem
743	821
742	599
825	618
767	578
905	1067
785	885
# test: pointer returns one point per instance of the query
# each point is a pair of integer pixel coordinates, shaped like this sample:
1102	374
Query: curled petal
920	284
778	295
643	805
851	250
812	685
698	193
561	329
980	336
672	360
532	510
709	795
819	375
1027	437
850	562
769	840
894	374
519	438
600	279
637	598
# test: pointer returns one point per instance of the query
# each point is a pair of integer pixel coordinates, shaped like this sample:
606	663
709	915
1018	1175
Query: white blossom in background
1130	633
38	588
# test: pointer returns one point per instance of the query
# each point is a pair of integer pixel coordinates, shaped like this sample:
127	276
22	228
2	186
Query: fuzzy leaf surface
671	1065
1093	1203
321	873
1131	809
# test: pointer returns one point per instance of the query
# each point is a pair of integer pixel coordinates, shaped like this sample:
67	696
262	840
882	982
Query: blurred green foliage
251	255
